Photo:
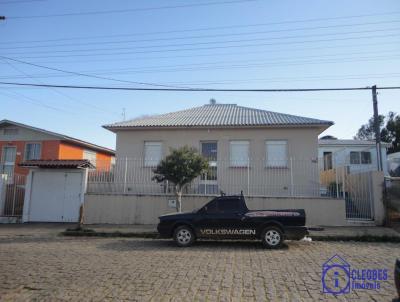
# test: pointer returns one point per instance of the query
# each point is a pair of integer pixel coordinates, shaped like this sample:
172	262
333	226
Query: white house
358	155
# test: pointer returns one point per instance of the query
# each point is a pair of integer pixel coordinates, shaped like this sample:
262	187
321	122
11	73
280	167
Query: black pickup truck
227	217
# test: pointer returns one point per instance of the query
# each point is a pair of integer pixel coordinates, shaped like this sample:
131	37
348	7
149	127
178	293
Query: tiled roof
58	163
219	115
60	136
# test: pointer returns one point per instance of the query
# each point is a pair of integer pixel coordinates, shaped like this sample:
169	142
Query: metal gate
358	193
356	188
14	195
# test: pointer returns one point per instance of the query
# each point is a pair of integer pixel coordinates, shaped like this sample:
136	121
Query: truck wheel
272	237
183	236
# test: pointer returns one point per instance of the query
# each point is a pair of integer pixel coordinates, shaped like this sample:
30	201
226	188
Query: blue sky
205	43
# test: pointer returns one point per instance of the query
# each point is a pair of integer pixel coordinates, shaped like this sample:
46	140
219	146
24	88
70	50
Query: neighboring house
19	142
275	148
358	155
393	161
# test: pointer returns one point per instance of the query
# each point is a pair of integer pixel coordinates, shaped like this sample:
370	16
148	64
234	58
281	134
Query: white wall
145	209
341	157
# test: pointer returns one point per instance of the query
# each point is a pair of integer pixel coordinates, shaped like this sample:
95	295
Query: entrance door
8	160
209	181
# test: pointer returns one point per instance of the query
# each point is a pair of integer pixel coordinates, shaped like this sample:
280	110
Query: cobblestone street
49	268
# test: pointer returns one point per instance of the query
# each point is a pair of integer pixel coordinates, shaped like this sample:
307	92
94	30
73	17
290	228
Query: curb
154	235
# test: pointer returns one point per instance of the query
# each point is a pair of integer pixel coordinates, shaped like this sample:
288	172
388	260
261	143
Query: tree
393	130
367	131
328	137
390	132
180	167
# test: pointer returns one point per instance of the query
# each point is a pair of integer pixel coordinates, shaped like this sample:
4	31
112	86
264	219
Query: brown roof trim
58	164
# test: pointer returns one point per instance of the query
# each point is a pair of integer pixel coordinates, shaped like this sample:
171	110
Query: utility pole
377	128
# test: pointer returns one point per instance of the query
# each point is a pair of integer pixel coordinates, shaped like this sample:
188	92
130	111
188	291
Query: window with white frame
276	153
152	153
32	151
239	153
90	156
363	158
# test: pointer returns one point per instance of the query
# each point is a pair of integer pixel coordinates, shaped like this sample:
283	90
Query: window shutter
276	153
152	153
239	153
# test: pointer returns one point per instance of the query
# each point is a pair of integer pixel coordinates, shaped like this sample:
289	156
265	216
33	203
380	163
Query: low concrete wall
145	209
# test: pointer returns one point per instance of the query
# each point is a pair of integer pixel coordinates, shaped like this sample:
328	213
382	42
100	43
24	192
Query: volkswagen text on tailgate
227	217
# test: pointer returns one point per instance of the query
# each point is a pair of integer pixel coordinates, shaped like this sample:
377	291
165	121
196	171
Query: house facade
258	151
20	142
357	155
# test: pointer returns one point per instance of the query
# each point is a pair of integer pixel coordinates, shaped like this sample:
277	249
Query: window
363	157
354	158
366	157
152	153
239	152
211	207
276	153
327	161
209	150
231	205
8	160
10	131
90	156
32	151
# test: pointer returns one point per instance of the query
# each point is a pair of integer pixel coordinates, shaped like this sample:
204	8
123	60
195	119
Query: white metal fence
293	177
12	195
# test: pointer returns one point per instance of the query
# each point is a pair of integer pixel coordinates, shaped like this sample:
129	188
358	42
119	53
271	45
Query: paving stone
112	269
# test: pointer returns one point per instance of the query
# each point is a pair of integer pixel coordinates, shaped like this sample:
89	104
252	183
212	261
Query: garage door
55	196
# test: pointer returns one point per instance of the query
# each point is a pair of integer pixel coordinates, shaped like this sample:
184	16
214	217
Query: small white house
358	155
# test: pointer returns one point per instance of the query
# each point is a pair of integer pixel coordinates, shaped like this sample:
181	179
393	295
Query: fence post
344	181
248	176
205	183
291	176
3	188
125	173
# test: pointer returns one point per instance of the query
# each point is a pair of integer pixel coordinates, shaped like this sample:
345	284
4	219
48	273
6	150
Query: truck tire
272	237
183	236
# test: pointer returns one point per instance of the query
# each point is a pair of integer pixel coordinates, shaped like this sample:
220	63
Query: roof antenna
213	101
123	114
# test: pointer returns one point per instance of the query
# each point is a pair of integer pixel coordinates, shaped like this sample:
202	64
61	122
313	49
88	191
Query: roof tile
218	115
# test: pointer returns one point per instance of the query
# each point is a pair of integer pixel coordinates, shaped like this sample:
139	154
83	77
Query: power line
61	93
199	89
131	10
220	54
209	48
86	75
201	36
209	28
206	42
214	66
36	102
21	1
